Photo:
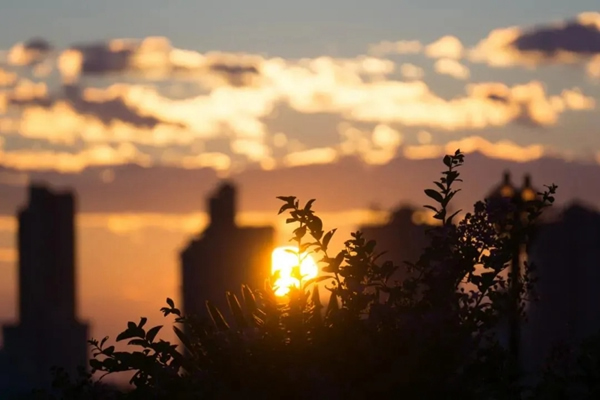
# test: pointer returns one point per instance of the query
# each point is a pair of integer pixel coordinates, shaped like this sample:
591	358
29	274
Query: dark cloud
105	109
38	44
573	37
108	109
153	55
576	40
236	75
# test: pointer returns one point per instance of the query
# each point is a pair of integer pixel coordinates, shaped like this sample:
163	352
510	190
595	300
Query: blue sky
285	28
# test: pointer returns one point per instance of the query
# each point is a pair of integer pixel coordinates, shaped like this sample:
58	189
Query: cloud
154	57
445	47
411	71
376	147
29	53
323	155
504	149
593	67
572	41
448	66
226	120
400	47
25	160
7	78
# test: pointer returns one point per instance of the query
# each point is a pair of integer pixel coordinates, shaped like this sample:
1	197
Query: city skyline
143	107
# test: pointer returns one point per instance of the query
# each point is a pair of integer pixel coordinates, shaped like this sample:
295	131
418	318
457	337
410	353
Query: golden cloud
504	149
451	67
7	78
445	47
322	155
411	71
72	162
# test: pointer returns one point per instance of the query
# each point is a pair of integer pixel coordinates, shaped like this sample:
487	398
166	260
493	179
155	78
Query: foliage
432	335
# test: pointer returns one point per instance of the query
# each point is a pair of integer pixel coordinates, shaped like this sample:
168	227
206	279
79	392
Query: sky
143	106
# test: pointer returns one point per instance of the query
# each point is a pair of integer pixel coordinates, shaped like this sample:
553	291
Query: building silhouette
48	333
224	256
566	256
403	238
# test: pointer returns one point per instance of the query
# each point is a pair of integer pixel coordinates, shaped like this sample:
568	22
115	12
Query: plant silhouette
433	335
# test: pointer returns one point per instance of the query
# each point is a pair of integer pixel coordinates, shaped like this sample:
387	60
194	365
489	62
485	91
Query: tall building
224	256
48	333
403	238
566	255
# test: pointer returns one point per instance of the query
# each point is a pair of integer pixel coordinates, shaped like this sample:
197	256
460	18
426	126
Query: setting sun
284	262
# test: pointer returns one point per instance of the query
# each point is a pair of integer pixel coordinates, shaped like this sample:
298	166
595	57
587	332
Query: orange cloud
323	155
7	78
451	67
72	162
504	149
411	71
374	148
445	47
28	53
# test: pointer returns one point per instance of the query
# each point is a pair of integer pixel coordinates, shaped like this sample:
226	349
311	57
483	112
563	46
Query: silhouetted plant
432	335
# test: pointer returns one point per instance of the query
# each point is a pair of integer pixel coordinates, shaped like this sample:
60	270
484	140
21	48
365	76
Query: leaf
434	195
109	350
316	225
333	305
316	280
217	317
450	218
249	300
447	161
316	298
96	364
170	303
284	208
131	325
137	342
124	335
143	321
309	204
183	338
151	334
236	311
287	199
300	232
327	238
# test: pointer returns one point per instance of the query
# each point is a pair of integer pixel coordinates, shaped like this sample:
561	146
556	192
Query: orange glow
284	259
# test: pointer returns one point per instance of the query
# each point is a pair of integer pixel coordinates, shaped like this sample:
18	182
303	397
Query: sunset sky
142	106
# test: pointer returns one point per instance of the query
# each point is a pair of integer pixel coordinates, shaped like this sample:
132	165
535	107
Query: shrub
432	335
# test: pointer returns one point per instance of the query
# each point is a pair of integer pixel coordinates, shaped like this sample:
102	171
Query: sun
284	261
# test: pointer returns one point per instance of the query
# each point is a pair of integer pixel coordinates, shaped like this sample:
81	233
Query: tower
48	333
224	256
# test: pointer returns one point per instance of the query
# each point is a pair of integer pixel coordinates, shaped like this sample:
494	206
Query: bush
425	337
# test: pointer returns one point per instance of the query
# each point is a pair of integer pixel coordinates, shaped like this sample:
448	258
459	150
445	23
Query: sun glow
284	261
